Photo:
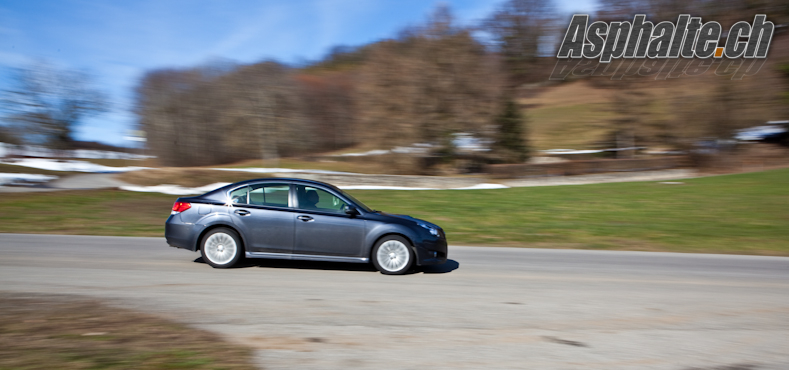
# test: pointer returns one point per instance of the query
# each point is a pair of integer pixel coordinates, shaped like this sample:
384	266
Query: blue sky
117	41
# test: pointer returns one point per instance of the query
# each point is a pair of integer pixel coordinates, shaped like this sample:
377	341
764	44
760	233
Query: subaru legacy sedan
298	219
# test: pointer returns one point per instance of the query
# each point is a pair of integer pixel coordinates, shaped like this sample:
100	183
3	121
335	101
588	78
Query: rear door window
273	195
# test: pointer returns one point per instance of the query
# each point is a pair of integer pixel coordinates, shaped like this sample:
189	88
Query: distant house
772	130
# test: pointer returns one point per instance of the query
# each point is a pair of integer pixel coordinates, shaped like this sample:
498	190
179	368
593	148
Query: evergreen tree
510	143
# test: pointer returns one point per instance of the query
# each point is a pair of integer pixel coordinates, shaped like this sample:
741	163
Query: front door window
315	199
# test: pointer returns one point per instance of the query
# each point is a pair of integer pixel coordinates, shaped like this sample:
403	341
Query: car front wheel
392	255
221	248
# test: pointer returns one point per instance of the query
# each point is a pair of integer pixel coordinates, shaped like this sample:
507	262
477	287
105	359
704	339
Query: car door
263	214
323	227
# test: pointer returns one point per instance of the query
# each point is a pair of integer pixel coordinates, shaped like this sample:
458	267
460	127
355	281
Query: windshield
352	199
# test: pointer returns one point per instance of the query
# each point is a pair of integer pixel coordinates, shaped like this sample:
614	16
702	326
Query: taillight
179	207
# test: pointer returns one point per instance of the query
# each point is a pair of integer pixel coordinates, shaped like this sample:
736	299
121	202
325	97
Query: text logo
688	38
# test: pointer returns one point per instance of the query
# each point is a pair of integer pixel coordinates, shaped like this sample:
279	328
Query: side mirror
351	211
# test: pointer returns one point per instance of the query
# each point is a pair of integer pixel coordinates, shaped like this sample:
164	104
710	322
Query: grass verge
741	214
60	332
10	168
85	212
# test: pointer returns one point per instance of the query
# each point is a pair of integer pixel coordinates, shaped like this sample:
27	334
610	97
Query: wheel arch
410	245
216	226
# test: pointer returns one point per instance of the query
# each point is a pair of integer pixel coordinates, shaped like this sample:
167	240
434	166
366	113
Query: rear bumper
178	234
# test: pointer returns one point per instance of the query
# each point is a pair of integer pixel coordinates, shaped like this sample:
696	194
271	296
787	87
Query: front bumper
431	251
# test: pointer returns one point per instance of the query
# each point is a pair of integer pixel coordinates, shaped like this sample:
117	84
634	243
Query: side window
275	195
319	200
239	196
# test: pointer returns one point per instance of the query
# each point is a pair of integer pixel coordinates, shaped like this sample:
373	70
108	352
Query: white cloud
250	27
15	60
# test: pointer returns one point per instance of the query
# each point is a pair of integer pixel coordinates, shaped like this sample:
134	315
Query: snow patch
364	154
71	166
484	187
376	187
174	189
42	152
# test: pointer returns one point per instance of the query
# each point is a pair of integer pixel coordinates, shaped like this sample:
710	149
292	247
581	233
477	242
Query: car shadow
448	266
443	268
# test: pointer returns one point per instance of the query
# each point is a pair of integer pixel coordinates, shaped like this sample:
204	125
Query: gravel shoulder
56	331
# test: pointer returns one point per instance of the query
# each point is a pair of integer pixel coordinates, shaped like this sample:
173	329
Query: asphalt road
488	308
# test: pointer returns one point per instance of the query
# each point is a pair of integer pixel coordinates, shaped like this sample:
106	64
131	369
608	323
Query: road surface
488	308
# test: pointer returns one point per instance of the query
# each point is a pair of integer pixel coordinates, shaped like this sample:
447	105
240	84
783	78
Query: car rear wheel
221	248
392	255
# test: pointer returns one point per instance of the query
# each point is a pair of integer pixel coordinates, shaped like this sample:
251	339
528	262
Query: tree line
430	82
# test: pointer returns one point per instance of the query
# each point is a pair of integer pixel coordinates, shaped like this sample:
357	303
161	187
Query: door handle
242	212
306	218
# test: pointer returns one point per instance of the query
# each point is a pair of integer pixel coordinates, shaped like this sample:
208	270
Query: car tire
221	248
392	255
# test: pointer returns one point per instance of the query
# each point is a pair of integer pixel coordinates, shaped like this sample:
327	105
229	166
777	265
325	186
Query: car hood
406	218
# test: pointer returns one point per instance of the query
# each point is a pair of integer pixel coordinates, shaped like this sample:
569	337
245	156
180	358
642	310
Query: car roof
217	194
281	179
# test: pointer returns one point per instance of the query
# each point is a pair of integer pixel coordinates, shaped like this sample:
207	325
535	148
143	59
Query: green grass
744	214
86	212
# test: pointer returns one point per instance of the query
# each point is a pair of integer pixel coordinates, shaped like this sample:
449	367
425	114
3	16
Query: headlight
433	231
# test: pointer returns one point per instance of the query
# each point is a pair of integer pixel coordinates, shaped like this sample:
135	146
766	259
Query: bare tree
623	10
166	109
45	104
267	94
330	106
435	81
204	116
7	136
517	28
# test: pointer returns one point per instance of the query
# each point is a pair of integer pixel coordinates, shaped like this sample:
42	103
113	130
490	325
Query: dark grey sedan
300	220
